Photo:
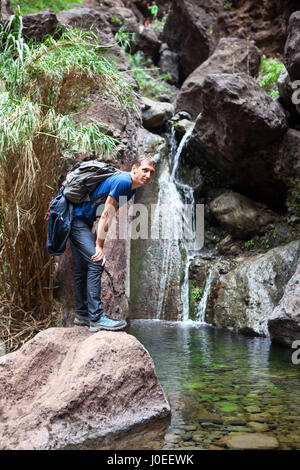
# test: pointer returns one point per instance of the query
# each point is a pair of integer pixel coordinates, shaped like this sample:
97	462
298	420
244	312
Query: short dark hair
137	162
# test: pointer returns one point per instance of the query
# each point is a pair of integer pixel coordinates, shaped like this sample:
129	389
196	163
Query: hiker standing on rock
153	10
87	249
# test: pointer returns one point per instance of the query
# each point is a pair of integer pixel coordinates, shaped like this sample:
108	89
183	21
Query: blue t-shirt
116	186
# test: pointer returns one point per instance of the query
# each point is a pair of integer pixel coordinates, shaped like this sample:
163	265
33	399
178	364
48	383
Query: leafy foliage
152	84
269	72
157	25
32	6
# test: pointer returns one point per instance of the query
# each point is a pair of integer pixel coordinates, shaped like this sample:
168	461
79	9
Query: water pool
219	383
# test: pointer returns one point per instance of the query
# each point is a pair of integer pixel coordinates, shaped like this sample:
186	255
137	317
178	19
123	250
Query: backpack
59	224
84	177
79	183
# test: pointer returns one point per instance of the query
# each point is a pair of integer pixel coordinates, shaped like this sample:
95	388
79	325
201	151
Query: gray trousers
87	273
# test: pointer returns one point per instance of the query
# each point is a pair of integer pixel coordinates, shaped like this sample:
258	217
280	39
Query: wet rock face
68	385
247	296
155	263
240	216
292	47
284	322
232	55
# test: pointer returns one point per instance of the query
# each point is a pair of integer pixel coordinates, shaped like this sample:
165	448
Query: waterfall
169	247
203	302
187	197
159	270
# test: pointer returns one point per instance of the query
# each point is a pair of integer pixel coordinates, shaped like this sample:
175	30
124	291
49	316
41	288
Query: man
153	10
87	250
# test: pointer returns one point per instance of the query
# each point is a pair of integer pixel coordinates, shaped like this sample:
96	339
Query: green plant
227	5
152	84
265	242
32	6
41	84
249	243
269	72
115	20
125	38
197	292
157	24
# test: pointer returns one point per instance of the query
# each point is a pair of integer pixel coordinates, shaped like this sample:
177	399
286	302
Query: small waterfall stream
159	271
186	194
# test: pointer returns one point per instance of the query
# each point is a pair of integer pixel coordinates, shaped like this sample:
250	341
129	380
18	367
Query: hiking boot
82	320
107	323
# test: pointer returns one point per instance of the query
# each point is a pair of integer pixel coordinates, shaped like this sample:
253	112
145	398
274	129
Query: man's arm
110	209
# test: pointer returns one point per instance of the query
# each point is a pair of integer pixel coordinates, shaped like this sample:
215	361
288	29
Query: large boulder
246	297
288	98
288	159
232	55
155	114
168	64
240	216
38	25
292	47
186	32
237	136
247	118
148	42
66	386
284	322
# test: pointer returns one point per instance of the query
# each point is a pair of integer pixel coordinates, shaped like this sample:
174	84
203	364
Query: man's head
142	170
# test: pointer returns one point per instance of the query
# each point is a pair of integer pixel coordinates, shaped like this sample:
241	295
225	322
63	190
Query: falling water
203	302
187	197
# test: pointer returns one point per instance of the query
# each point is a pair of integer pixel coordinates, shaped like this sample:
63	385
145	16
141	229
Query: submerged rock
67	385
251	441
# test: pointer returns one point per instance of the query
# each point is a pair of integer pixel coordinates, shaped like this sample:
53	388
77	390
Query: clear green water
219	383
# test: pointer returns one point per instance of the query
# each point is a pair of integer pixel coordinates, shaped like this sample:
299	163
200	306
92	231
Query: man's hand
99	255
110	209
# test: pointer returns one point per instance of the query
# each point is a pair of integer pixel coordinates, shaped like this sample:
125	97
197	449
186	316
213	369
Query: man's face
143	173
